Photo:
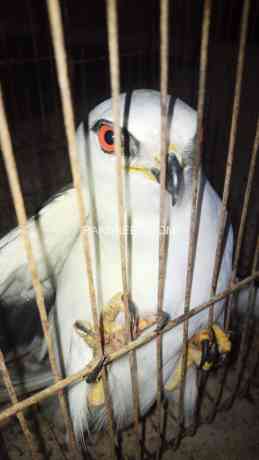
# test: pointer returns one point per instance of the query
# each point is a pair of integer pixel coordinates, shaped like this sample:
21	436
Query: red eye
106	138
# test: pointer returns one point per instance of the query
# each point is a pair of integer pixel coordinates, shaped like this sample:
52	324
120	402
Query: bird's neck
142	201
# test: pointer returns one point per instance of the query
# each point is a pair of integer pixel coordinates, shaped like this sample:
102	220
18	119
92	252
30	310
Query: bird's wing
52	233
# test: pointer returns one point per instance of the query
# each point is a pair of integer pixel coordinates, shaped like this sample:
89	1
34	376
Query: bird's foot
215	345
114	336
205	350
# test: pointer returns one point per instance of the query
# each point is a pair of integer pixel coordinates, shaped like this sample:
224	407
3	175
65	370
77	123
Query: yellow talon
115	337
207	366
194	353
223	341
110	313
113	307
86	331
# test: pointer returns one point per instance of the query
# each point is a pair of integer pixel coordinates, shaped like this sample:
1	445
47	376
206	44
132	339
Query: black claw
162	321
133	319
210	353
205	345
80	326
92	377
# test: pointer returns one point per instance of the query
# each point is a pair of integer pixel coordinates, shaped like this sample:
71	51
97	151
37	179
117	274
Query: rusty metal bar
12	394
243	345
248	381
65	92
230	159
56	387
246	199
241	229
113	40
164	32
196	195
14	182
231	149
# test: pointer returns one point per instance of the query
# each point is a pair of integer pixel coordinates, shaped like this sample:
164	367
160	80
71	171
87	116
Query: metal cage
67	67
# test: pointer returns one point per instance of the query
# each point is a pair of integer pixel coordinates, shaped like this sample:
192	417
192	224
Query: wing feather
52	233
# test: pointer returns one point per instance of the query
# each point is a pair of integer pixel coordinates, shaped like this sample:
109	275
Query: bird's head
140	123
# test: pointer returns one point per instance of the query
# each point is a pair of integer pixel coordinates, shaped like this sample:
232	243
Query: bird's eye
106	138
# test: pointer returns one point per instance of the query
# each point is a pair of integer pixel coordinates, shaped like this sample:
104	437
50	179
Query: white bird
58	248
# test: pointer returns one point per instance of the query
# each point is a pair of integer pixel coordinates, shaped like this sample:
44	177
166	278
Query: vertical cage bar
66	99
164	32
226	191
251	369
245	332
196	194
243	220
246	198
12	394
112	24
16	191
231	149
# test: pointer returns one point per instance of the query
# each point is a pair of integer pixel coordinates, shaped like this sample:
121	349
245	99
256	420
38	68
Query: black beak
174	177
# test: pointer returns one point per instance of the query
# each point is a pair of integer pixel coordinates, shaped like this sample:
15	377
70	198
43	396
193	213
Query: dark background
28	77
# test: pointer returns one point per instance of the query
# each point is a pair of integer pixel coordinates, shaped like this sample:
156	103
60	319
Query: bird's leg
114	338
96	396
96	393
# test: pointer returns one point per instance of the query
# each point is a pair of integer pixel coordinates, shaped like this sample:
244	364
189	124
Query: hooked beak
174	176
